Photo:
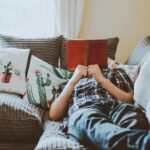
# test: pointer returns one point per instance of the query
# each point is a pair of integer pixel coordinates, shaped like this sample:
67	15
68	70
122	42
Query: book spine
87	53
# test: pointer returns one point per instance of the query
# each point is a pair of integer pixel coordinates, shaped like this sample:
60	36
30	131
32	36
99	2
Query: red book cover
87	52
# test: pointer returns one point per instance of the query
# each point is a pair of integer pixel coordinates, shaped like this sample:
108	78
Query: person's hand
80	71
95	72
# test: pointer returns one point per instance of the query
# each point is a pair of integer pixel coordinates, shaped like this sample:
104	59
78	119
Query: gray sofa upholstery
21	124
26	127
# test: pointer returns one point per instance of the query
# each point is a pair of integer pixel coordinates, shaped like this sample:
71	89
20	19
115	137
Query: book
87	52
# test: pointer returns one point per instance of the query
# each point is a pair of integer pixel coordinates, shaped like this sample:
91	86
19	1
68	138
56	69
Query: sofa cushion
48	49
112	47
17	146
54	138
142	85
131	70
44	82
139	51
19	120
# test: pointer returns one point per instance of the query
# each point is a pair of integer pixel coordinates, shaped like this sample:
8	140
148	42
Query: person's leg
90	124
128	116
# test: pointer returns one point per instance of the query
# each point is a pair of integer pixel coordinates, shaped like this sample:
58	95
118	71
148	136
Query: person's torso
87	91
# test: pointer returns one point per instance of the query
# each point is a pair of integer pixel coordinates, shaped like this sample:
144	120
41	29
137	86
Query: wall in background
127	19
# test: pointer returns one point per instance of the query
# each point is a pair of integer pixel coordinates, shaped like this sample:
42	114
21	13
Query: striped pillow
19	120
112	47
139	52
47	49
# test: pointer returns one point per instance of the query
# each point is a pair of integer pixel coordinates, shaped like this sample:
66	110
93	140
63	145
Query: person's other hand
80	71
95	72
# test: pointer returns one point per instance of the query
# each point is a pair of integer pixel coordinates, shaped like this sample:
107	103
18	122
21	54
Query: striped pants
114	125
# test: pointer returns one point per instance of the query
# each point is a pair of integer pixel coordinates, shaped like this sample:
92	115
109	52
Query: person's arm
115	91
95	71
60	106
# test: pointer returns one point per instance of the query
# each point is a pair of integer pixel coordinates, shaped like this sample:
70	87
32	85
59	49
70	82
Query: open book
87	52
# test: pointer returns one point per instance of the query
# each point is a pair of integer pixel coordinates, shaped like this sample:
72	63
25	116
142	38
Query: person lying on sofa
100	110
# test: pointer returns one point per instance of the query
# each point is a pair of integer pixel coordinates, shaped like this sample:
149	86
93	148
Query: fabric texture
47	49
113	125
54	138
112	44
17	146
19	120
87	91
68	17
13	64
44	82
139	51
131	70
142	86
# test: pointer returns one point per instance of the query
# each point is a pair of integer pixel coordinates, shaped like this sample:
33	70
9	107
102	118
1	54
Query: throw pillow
44	82
13	64
47	49
131	70
139	52
142	85
112	44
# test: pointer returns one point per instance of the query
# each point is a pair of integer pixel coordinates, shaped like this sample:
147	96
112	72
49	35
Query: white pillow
142	85
44	81
13	64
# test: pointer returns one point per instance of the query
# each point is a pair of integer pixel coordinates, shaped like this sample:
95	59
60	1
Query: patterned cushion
47	49
112	47
44	82
13	69
139	52
19	120
54	138
131	70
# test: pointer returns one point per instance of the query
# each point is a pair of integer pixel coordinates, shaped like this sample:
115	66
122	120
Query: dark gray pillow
112	47
19	120
47	49
139	52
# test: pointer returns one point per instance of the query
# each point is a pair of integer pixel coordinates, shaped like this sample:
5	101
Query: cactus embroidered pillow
44	82
13	64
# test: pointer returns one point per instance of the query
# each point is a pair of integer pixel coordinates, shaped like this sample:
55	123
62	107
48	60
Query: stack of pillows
43	81
27	76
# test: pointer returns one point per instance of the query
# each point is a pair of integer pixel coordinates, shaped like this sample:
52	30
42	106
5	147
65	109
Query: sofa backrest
141	49
47	49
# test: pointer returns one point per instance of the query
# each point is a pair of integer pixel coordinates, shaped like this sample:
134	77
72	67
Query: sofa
24	126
